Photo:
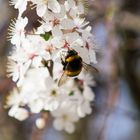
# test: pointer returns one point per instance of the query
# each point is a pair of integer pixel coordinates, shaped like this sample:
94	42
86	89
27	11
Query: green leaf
46	36
71	93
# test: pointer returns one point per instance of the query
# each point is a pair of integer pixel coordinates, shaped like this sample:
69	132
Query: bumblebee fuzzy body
72	66
72	63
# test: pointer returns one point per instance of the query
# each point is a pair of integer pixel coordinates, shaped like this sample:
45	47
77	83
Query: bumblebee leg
63	63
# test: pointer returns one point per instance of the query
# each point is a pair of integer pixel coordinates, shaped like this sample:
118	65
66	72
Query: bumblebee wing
89	68
63	79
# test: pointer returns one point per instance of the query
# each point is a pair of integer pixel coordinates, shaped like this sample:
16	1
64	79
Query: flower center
53	93
65	117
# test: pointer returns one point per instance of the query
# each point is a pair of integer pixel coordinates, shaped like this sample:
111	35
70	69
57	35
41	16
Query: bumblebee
72	66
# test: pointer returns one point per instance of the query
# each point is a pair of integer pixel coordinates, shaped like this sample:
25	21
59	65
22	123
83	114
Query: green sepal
71	93
46	35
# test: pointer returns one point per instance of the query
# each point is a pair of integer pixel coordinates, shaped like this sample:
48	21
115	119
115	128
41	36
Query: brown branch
129	21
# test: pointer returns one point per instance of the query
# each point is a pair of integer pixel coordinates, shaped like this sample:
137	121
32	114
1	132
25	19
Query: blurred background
116	109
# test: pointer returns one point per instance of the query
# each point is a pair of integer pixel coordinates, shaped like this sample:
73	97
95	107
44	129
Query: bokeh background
116	109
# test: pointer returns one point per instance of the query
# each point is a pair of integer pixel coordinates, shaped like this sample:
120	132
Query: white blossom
14	98
84	106
17	70
42	6
40	123
35	63
17	32
18	113
74	8
65	117
20	5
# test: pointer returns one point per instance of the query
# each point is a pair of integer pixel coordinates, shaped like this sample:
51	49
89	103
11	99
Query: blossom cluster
35	62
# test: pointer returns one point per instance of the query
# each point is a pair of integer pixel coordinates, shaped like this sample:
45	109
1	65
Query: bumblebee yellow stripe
72	73
71	58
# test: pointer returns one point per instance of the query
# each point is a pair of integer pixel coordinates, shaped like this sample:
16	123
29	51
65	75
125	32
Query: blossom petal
41	9
36	106
69	127
88	94
67	24
54	6
21	114
58	124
